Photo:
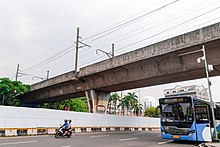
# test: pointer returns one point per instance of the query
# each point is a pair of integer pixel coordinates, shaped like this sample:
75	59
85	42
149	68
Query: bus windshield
176	111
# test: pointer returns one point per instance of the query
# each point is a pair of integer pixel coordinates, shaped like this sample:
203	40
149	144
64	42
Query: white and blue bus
187	118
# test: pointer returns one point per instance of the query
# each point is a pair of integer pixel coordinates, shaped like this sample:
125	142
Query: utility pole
208	68
48	74
212	105
113	50
77	50
17	72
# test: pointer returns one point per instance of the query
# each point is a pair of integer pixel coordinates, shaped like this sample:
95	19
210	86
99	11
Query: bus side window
217	113
202	115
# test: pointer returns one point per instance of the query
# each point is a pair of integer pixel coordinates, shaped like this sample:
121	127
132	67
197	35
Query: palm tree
129	100
110	105
114	98
137	108
133	100
122	105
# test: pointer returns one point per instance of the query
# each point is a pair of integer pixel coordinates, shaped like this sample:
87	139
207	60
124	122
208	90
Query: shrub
218	134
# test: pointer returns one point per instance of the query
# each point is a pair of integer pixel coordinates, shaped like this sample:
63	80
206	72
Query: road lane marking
127	139
66	146
98	136
160	143
12	143
139	133
22	137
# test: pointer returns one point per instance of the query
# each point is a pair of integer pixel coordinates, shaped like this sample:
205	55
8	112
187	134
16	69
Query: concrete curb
48	131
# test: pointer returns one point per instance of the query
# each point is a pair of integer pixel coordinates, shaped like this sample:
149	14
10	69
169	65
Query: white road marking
139	133
66	146
160	143
12	143
15	137
127	139
98	136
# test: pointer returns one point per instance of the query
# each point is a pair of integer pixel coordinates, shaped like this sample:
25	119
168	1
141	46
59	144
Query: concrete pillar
97	101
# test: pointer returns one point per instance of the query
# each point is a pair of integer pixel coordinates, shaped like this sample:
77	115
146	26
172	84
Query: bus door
203	128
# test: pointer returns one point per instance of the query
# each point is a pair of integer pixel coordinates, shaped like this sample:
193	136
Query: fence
18	120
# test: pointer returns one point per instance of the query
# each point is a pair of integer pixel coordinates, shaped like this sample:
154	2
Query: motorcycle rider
65	126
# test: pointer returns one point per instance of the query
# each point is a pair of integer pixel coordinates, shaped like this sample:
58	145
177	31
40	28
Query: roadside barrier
20	121
51	131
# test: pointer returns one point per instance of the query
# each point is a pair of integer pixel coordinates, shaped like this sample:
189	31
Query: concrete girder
159	63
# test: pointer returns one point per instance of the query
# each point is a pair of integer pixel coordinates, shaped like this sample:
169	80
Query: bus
187	117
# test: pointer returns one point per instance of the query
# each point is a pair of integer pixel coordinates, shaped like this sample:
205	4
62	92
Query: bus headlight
191	132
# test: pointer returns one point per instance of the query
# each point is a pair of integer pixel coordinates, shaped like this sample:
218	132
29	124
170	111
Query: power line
160	32
120	25
103	18
154	35
142	31
114	28
54	57
169	29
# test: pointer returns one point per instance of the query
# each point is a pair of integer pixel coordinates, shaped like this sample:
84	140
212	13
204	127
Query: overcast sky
40	34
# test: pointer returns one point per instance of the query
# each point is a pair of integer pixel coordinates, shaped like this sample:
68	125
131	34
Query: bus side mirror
157	111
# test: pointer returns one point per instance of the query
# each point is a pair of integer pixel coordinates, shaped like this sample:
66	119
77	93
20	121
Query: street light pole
209	89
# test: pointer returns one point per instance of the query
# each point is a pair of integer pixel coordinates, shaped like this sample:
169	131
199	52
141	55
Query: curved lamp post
208	68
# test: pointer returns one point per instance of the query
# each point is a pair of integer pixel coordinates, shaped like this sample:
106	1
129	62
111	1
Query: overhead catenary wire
154	26
105	17
114	28
170	28
52	58
160	32
161	24
99	57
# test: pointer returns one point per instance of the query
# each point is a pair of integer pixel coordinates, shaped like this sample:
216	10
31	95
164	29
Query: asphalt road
111	139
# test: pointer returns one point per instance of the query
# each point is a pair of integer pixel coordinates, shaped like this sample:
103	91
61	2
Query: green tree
9	90
152	112
122	105
114	98
129	102
137	109
76	104
79	105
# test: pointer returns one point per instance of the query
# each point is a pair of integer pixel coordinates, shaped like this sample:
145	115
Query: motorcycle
60	132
